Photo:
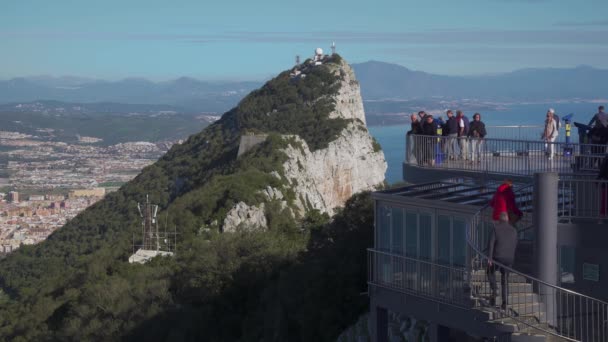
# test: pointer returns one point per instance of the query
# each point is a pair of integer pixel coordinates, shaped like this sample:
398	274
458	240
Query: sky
254	40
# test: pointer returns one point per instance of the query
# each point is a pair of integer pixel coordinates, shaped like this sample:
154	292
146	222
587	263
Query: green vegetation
298	281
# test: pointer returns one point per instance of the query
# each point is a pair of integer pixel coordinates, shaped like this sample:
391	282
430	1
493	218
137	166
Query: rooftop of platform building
458	191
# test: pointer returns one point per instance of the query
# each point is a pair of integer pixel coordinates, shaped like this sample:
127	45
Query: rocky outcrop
243	216
323	179
326	178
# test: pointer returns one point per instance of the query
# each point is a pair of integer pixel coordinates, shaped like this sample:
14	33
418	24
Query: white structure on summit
333	48
318	57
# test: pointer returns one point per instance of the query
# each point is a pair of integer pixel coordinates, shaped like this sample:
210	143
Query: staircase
525	317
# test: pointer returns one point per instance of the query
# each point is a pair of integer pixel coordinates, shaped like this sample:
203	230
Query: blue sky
253	40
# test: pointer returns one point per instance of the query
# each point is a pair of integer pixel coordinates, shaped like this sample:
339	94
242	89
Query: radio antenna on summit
333	48
297	59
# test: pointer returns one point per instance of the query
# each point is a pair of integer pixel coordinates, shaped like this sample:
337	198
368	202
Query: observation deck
429	259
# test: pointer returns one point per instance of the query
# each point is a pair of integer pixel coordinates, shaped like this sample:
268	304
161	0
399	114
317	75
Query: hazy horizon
250	41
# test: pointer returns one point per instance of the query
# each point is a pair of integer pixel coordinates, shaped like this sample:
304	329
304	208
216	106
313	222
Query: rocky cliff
324	179
268	279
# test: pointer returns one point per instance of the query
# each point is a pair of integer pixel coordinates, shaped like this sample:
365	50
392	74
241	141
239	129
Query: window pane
425	236
397	237
384	228
459	242
443	239
411	235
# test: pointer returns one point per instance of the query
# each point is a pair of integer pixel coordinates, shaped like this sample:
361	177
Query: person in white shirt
550	133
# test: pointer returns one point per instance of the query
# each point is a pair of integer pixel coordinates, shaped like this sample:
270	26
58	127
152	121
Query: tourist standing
451	127
429	131
550	133
501	248
416	129
600	118
477	132
463	130
599	131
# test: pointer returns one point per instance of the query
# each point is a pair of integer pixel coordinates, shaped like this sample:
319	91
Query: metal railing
524	132
423	278
581	198
532	303
502	156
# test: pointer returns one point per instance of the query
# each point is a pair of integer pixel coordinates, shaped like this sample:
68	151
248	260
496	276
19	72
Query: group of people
462	139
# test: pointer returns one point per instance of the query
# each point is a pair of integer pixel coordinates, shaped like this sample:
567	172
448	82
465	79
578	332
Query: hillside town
46	183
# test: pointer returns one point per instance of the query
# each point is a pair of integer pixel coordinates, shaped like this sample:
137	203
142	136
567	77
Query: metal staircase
536	311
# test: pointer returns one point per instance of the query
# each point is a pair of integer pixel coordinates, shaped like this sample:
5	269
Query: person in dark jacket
477	132
451	131
416	129
501	249
427	144
463	131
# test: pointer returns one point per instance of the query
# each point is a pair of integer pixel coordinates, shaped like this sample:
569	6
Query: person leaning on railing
477	131
416	129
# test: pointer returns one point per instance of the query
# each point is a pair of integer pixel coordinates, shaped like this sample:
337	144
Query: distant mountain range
184	92
381	80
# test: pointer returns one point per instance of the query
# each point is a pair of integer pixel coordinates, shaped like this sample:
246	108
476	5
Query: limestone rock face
326	178
245	217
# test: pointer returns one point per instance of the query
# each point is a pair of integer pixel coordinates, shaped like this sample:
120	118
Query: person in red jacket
504	201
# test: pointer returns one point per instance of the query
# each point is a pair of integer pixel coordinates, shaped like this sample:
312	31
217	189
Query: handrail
412	275
550	290
518	157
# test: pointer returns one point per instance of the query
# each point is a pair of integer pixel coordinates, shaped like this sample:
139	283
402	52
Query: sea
392	138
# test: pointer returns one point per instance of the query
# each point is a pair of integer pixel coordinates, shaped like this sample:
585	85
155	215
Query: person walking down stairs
501	248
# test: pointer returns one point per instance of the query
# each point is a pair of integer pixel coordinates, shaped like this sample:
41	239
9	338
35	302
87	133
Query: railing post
545	222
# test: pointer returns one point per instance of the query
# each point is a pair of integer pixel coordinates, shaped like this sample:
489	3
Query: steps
525	317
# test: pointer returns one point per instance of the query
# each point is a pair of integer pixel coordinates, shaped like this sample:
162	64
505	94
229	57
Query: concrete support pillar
545	222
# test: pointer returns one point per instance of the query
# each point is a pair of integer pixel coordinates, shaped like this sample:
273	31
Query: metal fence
581	198
423	278
502	156
527	132
533	305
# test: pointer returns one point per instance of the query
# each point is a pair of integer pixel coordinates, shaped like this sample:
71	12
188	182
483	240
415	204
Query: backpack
558	122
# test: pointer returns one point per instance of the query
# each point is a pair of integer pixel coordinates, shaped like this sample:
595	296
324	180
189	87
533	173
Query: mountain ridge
77	285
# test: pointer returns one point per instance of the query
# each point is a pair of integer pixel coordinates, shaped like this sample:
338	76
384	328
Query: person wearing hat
550	133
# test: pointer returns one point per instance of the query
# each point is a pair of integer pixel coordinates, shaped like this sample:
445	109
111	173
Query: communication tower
297	59
154	242
333	48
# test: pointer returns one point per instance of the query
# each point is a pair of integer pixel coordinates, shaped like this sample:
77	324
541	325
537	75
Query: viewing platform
428	158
